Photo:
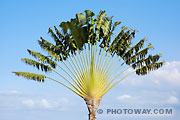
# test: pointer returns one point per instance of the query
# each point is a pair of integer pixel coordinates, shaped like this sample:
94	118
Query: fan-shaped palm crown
91	56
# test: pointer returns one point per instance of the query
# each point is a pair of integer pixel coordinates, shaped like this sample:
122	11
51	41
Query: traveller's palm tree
93	56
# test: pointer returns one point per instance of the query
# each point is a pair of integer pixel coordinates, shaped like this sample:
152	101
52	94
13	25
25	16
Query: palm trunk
92	105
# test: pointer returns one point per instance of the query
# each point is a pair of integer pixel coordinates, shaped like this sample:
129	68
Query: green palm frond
145	69
53	51
32	76
42	58
92	57
38	65
41	78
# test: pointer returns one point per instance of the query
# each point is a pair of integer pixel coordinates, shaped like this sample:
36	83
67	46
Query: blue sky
23	22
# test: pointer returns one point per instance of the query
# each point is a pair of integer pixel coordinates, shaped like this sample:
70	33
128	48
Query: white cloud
45	103
29	103
133	80
173	100
170	73
10	92
64	101
124	97
14	92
